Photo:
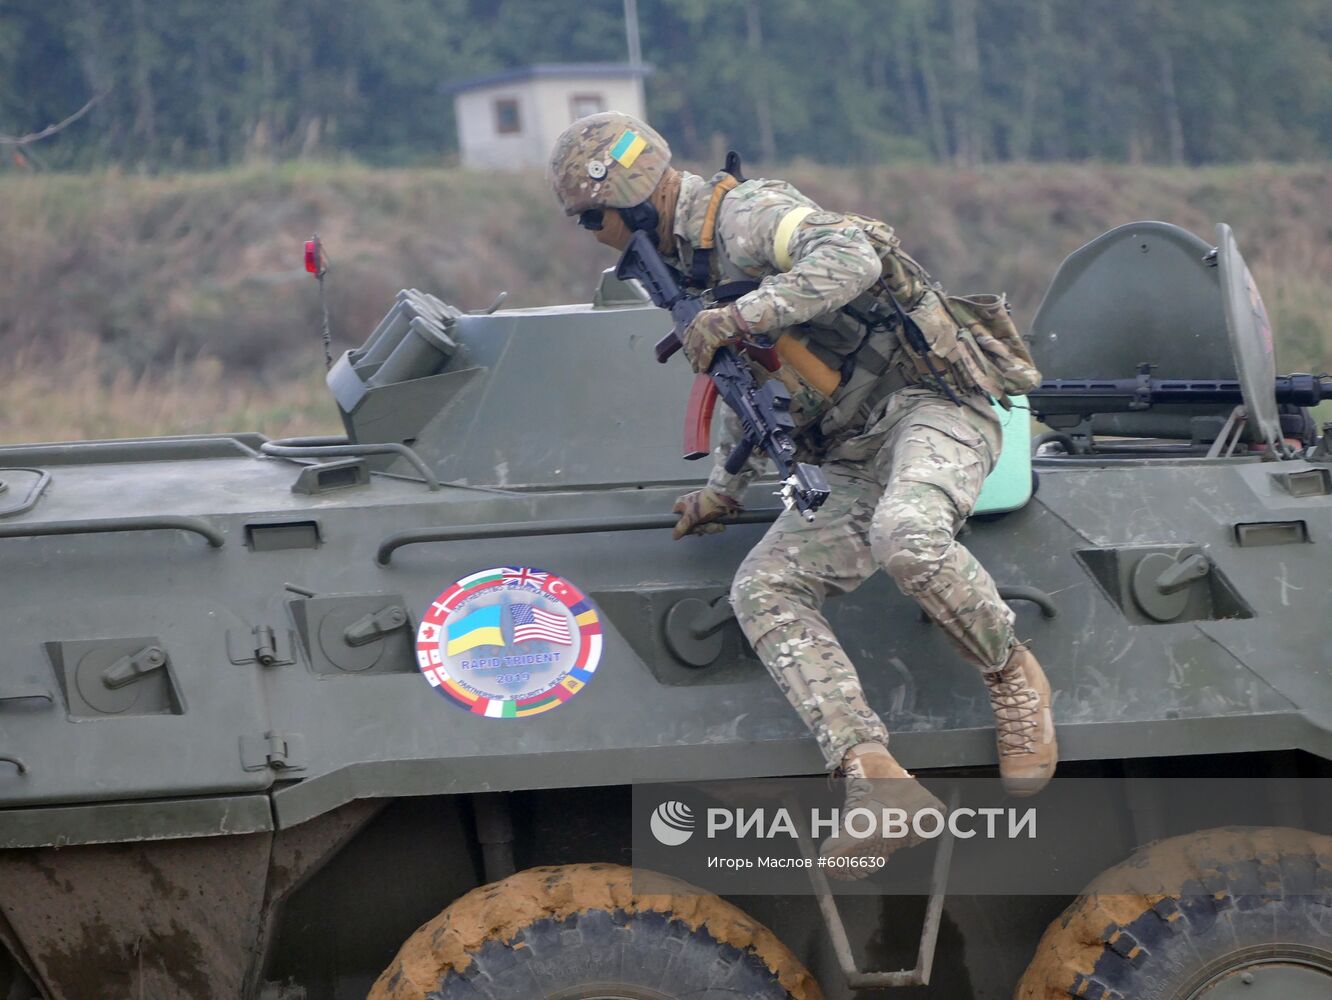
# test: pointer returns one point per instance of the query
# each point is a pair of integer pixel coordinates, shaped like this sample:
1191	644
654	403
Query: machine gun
1085	397
763	410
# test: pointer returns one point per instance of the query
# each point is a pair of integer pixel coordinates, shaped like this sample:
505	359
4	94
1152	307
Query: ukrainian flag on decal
480	628
627	147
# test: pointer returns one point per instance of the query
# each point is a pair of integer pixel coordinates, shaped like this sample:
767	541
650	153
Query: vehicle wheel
581	932
1238	912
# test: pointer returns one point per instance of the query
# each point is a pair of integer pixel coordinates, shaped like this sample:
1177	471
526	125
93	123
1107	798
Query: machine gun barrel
1086	396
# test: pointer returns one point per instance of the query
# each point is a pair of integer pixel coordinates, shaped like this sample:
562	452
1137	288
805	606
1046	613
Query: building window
586	104
506	116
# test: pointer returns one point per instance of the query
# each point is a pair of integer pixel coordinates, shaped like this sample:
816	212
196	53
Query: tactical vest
965	343
903	331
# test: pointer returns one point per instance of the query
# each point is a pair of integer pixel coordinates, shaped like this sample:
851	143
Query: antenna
317	264
631	32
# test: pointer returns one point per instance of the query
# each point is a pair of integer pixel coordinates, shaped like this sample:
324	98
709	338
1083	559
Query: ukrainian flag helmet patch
627	147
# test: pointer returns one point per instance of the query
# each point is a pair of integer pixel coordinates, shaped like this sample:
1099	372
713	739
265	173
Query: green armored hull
229	766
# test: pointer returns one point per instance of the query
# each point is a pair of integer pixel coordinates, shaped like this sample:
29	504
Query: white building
510	120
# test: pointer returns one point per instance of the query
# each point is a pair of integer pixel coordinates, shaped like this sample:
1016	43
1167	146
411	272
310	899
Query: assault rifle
764	410
1084	397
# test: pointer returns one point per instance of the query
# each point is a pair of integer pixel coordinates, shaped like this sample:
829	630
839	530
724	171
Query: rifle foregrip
739	455
698	417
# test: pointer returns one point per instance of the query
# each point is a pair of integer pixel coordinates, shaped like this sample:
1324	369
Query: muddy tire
581	932
1239	912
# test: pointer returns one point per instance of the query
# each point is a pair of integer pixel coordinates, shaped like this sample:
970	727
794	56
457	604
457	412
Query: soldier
905	437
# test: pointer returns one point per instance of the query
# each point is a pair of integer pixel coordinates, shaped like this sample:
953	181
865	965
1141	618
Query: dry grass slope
136	305
81	396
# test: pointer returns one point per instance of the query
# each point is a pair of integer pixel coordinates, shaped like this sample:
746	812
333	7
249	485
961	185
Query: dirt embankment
180	303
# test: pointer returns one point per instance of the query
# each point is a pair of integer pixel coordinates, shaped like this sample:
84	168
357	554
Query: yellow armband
781	242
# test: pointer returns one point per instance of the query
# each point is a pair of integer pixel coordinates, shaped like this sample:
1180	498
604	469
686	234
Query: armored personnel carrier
335	716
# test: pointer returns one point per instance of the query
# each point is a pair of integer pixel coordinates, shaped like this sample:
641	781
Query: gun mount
1150	334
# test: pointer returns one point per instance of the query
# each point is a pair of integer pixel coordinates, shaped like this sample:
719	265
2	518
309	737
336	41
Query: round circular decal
509	642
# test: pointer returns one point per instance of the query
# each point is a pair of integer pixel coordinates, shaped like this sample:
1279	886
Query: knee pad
912	532
912	571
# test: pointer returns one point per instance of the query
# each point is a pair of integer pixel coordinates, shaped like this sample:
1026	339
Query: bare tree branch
50	130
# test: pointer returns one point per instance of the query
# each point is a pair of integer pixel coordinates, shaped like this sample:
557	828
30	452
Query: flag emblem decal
509	642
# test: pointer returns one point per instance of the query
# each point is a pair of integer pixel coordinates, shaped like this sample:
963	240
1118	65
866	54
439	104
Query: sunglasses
591	219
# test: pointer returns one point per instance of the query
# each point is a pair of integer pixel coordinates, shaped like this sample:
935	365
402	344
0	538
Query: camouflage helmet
607	160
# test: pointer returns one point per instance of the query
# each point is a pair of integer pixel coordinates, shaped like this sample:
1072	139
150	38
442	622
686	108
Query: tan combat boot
1023	723
874	781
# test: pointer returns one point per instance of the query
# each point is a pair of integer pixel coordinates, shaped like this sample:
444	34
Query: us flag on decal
532	624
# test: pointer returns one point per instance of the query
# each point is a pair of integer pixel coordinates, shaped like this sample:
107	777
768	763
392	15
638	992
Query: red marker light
314	256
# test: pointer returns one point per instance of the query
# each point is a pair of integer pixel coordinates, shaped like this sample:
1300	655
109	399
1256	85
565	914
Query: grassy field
152	305
84	395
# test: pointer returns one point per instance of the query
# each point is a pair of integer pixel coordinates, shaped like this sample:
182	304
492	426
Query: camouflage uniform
905	469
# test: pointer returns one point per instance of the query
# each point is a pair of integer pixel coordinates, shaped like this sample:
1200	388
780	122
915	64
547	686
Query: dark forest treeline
194	83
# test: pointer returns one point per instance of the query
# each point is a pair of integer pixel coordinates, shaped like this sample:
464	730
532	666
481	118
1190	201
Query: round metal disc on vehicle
333	641
1250	333
1149	597
88	678
1269	981
680	639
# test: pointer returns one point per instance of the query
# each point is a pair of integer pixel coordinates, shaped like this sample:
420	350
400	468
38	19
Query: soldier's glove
709	330
701	510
